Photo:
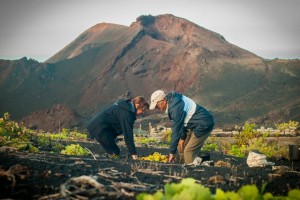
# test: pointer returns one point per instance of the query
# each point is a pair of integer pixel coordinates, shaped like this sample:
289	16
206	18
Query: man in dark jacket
185	115
115	120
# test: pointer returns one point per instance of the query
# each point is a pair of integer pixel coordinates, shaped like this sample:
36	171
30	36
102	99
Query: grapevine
75	149
156	157
188	189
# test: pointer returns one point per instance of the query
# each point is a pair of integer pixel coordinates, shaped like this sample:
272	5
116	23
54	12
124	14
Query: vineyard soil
49	176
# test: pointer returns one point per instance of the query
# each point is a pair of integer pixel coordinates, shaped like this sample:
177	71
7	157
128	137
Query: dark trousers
107	139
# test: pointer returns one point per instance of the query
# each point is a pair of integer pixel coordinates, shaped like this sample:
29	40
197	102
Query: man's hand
135	157
181	144
171	157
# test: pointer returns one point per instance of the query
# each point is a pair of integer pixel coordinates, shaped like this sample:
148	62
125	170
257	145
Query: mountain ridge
109	61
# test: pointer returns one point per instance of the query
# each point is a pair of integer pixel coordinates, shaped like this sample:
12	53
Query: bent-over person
191	123
115	120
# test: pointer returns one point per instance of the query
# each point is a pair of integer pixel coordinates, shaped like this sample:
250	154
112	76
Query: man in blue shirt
185	115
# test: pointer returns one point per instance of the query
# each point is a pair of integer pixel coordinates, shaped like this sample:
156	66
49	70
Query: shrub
14	135
156	157
239	151
146	19
287	125
210	145
66	134
11	129
17	136
146	140
167	136
246	135
249	139
188	189
76	150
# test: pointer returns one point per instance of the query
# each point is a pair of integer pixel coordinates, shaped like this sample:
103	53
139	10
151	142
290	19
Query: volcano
110	61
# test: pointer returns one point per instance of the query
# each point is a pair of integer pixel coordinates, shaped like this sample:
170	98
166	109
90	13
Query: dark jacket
119	118
202	122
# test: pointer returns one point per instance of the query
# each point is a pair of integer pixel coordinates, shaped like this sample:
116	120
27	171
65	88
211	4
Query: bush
14	135
67	134
167	136
76	150
188	189
210	145
287	125
11	129
146	19
246	135
17	136
249	139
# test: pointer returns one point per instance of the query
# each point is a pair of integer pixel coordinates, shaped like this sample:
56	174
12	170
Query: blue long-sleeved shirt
201	122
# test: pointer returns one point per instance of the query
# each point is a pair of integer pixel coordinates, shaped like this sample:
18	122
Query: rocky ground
53	176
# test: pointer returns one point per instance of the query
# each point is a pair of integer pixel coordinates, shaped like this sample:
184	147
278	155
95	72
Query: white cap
157	96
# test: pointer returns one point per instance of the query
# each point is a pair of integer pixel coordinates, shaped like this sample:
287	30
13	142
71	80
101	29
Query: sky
40	28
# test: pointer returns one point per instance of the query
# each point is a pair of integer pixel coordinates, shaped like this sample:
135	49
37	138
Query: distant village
269	132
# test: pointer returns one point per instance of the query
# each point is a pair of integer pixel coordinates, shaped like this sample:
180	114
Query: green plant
15	135
32	148
66	134
167	135
210	145
75	149
188	189
12	129
247	134
156	157
249	139
287	125
271	149
43	140
239	151
146	140
146	19
57	147
74	134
